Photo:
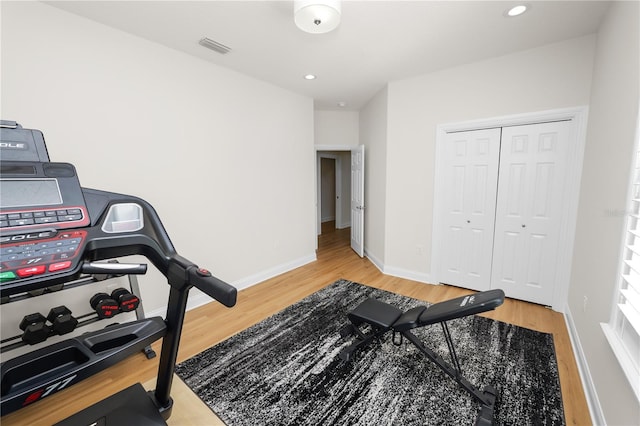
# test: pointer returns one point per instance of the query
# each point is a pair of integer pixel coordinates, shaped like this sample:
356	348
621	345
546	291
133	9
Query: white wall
373	135
336	128
550	77
607	162
227	160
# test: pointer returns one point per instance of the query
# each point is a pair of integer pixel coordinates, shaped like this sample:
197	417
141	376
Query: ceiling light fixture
309	77
517	10
317	16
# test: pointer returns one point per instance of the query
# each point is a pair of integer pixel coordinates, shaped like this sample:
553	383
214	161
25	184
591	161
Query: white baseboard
272	272
595	409
376	262
398	272
197	298
408	274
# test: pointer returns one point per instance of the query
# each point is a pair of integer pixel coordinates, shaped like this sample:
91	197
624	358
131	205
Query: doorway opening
349	192
333	190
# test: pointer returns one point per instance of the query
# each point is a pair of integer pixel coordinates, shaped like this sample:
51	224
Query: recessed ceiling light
309	77
342	104
517	10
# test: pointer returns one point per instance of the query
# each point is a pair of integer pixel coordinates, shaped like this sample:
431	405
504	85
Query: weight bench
382	317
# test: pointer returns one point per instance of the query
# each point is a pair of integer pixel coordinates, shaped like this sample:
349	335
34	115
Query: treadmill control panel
42	209
39	253
20	218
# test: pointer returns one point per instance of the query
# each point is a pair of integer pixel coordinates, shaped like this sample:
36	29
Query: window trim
613	329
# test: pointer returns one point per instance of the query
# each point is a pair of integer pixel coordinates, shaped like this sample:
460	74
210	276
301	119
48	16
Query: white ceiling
376	42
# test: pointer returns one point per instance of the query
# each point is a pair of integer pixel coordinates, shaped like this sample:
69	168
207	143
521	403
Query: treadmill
42	204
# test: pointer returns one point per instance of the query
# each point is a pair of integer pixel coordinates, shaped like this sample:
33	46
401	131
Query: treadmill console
40	205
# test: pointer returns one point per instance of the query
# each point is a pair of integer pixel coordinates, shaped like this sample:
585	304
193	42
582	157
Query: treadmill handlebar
214	287
183	274
114	268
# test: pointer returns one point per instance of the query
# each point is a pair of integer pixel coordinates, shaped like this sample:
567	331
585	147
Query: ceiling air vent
214	45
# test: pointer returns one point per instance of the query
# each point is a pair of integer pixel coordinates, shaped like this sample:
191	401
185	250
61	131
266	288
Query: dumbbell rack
12	343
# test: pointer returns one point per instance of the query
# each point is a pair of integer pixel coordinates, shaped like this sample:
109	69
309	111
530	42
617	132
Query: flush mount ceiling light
517	10
317	16
309	77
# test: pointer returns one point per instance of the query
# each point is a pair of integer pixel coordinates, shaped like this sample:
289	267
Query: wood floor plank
212	323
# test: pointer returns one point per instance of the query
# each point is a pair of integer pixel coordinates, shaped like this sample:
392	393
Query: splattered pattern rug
285	370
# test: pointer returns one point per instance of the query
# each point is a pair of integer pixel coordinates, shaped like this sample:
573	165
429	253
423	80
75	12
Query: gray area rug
285	370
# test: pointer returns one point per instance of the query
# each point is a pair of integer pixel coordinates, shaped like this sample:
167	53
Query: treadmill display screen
29	192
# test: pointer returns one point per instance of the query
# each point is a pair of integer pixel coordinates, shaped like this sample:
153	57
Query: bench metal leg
486	398
362	340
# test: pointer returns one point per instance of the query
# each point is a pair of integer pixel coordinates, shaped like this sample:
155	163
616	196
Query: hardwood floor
212	323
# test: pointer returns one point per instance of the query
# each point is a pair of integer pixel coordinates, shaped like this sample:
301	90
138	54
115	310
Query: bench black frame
382	318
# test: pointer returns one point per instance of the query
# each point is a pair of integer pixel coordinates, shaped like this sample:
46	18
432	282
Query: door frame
325	150
578	117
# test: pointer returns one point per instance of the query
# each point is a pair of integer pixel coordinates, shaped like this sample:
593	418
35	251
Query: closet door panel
467	207
531	180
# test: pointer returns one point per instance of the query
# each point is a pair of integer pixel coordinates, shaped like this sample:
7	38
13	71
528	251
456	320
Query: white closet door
470	161
533	160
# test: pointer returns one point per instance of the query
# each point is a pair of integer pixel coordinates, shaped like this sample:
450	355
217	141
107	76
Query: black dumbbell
126	300
104	305
35	328
62	322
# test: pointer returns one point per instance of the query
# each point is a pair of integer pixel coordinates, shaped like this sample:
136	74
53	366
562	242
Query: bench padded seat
378	314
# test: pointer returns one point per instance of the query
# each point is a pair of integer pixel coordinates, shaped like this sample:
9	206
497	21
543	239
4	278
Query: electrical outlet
585	301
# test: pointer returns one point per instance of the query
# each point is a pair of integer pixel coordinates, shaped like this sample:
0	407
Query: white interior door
357	200
533	161
467	208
